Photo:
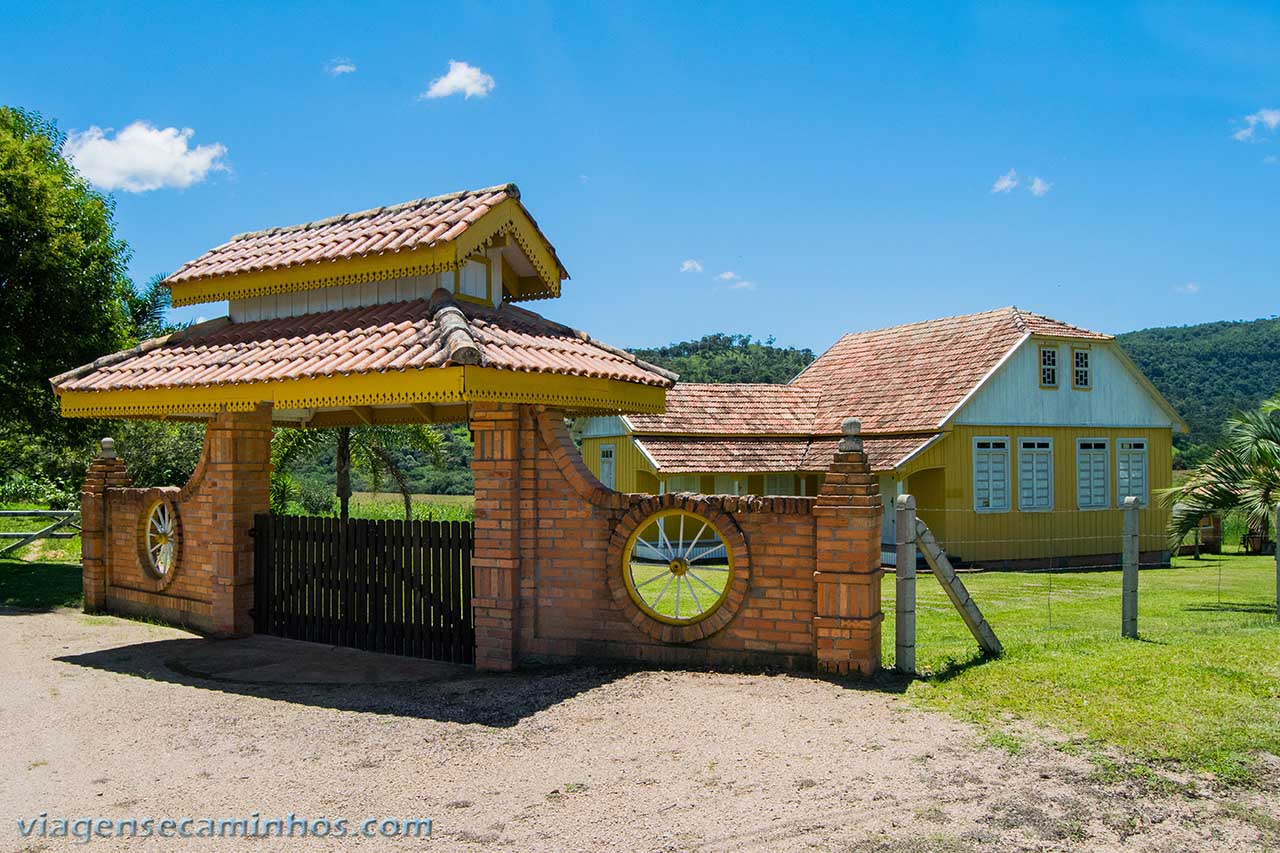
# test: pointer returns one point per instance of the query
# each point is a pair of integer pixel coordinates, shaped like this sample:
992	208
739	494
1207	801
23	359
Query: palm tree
370	448
1243	474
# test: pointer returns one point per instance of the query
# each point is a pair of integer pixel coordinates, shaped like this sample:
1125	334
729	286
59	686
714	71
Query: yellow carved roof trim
394	388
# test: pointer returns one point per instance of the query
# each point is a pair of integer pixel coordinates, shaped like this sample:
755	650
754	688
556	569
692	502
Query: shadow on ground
352	680
38	586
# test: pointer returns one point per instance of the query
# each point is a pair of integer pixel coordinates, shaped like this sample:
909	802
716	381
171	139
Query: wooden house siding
632	471
942	481
1116	396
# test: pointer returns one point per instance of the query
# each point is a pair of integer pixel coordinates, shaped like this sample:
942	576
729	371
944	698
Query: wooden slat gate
397	587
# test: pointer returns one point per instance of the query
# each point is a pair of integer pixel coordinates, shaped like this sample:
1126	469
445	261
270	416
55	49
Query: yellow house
1019	436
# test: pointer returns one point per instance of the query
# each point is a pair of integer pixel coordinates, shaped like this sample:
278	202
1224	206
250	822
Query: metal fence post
1129	557
904	656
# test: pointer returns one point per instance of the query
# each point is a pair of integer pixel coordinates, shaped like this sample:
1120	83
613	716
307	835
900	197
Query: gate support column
236	466
847	583
496	564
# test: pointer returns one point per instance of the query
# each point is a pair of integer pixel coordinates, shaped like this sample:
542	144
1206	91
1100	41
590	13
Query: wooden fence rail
65	524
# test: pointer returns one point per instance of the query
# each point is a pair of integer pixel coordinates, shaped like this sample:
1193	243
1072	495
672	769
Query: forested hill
1208	372
729	358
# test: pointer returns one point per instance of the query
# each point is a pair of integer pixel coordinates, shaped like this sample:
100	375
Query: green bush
316	497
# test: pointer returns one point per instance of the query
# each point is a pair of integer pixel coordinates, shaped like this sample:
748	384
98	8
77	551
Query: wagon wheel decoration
677	567
160	539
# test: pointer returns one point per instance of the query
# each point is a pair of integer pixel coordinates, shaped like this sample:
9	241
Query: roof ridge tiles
509	188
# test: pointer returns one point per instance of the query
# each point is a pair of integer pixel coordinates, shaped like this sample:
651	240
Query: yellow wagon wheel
677	567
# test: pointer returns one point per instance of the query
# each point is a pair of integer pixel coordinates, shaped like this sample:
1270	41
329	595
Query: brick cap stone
852	441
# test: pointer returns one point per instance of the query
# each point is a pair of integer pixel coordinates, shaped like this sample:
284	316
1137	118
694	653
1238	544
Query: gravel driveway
98	724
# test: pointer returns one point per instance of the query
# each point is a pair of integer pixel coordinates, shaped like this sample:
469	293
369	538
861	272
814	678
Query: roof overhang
427	394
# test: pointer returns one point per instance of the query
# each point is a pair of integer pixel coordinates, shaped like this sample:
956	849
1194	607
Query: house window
683	483
606	465
1092	473
991	474
779	484
473	281
728	484
1048	367
1081	374
1035	474
1131	469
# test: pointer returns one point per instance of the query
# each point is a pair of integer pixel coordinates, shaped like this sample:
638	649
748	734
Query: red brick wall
211	587
549	587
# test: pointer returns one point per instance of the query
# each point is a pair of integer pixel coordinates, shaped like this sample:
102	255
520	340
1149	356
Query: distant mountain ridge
1207	371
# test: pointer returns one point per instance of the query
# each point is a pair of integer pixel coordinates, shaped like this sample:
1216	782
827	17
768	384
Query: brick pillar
496	564
847	615
105	471
237	474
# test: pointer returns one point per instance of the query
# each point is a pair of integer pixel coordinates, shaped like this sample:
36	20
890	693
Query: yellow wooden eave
433	385
508	219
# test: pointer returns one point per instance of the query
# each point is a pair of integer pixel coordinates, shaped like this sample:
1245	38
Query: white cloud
338	67
1271	159
142	157
1005	182
743	285
1268	118
1190	288
728	276
461	79
1040	187
691	266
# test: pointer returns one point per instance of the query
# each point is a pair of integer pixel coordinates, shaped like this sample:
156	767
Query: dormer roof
416	237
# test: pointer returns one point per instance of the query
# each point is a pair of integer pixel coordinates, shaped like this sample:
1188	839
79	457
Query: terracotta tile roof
909	378
413	224
380	338
676	455
729	409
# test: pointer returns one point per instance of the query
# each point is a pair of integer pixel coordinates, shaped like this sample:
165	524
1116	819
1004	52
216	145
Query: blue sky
843	162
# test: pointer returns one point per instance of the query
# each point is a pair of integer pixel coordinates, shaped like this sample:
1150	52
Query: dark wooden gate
398	587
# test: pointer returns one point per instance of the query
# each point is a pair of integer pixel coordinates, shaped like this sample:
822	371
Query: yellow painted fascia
507	219
393	388
412	262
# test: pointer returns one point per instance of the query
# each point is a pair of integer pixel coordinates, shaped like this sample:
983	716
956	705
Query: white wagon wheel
162	538
677	566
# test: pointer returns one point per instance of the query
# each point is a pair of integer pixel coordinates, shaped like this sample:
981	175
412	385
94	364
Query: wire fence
1040	541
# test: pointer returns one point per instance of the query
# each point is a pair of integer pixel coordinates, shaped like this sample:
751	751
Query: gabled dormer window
1049	367
1081	370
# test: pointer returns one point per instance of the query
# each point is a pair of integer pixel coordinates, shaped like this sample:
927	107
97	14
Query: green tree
63	281
1243	474
375	450
729	358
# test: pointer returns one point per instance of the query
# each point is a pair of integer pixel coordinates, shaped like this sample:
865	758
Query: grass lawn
706	586
390	506
1200	688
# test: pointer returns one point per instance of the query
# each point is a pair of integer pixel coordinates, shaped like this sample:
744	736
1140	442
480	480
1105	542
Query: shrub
317	497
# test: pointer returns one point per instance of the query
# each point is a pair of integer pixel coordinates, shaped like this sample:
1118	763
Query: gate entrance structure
408	314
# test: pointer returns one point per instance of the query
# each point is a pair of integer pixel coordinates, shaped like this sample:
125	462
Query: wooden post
904	656
1129	559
